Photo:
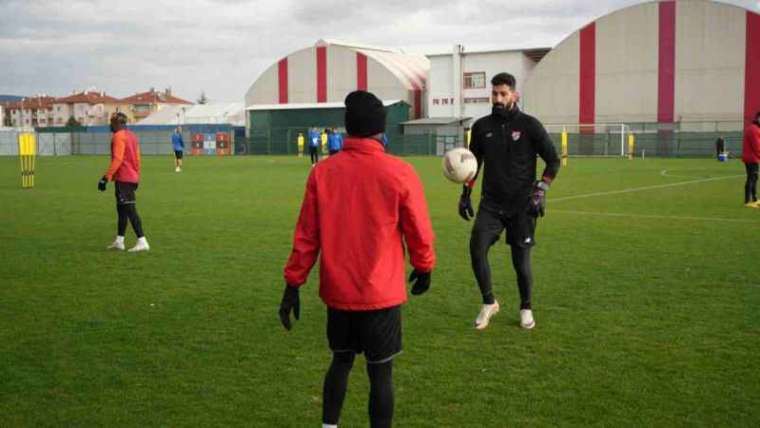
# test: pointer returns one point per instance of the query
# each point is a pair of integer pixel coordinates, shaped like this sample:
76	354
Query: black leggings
129	212
485	233
521	264
314	153
750	187
380	394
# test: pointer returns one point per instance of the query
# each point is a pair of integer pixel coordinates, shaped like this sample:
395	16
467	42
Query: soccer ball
459	165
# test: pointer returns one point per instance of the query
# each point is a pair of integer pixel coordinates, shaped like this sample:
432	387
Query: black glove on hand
421	282
290	302
465	204
102	183
537	203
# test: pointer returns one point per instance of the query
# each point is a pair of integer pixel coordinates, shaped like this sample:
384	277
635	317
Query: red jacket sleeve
306	238
755	142
117	155
415	224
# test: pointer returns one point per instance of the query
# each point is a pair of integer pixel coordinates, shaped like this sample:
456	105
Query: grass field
647	303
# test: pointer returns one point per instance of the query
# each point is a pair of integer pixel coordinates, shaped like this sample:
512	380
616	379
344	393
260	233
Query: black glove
537	203
102	183
421	282
290	302
465	204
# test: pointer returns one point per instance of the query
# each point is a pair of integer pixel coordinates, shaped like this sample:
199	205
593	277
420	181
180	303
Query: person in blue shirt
334	141
315	139
179	147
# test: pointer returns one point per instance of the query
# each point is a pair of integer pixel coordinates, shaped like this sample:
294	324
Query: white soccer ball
459	165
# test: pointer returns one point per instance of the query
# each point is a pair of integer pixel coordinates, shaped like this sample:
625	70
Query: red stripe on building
282	76
361	71
752	68
587	99
666	80
322	74
417	103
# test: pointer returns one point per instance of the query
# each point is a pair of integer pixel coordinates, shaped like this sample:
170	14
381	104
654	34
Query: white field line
664	173
658	217
642	189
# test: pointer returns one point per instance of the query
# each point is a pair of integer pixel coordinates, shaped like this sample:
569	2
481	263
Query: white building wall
710	59
626	65
302	77
551	91
341	73
476	101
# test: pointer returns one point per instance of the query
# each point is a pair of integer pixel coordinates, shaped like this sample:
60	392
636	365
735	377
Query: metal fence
284	141
685	139
680	139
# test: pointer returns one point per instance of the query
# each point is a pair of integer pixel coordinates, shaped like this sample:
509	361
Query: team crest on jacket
516	135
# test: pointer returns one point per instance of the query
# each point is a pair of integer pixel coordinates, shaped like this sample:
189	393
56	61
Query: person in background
751	159
314	140
300	142
124	171
334	141
178	144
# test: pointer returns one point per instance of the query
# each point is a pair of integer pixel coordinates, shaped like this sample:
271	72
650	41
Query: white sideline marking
641	189
663	217
664	173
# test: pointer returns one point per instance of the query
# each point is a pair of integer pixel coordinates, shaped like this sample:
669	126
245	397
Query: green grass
647	304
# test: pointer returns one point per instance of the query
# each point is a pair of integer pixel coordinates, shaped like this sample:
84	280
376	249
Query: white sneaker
526	319
117	244
177	169
486	312
142	245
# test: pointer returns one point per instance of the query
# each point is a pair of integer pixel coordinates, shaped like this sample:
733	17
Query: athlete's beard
502	110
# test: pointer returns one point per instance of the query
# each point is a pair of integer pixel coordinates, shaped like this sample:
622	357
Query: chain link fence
683	139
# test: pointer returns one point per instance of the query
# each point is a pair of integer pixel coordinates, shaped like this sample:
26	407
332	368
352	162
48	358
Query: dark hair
120	117
504	79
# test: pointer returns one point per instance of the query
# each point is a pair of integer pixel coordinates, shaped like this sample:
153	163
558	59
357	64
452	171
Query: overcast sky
221	46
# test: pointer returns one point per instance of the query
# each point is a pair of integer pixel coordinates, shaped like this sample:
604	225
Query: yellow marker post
631	145
467	138
27	153
564	147
300	144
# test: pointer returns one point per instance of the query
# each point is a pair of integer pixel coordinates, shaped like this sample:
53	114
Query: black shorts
376	333
178	154
125	192
491	221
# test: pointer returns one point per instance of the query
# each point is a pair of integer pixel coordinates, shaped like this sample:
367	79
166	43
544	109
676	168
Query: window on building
476	80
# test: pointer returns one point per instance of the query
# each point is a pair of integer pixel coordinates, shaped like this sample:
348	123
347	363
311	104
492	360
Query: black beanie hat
365	114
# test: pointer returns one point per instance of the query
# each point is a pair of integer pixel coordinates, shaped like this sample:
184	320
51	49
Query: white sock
142	240
119	239
329	426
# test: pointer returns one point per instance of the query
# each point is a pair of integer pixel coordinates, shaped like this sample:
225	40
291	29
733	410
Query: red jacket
125	157
360	206
751	146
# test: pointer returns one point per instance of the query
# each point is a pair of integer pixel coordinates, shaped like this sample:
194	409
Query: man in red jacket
751	158
124	171
360	206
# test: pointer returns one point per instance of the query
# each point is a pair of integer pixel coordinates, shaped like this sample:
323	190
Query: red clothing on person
125	157
359	208
751	144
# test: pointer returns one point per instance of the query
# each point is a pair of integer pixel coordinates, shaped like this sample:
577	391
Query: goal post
591	139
